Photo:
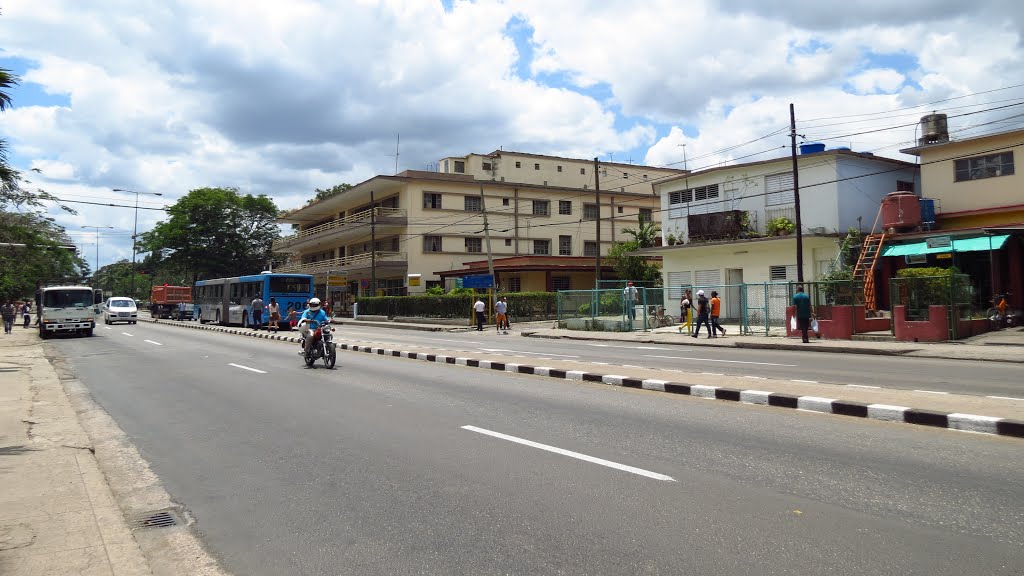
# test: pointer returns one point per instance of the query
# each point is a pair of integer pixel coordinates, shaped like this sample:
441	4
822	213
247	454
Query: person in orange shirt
716	311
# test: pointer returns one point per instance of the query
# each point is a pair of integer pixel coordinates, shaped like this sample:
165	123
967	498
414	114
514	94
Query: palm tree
644	234
8	176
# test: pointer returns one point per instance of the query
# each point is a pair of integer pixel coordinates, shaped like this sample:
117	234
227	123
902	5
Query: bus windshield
287	285
67	298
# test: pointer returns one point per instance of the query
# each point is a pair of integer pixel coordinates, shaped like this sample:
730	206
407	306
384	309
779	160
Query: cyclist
313	313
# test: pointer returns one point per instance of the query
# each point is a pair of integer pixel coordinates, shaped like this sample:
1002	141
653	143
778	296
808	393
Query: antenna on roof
398	138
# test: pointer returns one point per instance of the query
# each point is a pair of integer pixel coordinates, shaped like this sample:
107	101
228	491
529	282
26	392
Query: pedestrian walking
703	313
9	313
154	311
686	313
500	310
256	306
716	311
629	300
27	313
802	302
479	307
274	309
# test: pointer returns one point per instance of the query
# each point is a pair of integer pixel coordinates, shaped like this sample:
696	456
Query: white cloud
877	80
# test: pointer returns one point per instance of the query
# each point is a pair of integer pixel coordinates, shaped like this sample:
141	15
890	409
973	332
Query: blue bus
226	301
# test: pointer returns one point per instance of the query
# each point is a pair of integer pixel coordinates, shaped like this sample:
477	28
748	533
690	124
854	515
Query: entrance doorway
733	279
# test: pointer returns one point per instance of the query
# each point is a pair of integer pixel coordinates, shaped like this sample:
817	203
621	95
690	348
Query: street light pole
97	229
135	228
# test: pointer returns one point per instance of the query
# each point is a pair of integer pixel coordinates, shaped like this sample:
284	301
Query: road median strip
883	412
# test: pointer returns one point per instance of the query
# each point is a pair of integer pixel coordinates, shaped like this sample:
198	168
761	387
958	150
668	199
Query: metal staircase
864	271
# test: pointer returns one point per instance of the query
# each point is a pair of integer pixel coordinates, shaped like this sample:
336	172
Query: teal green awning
975	244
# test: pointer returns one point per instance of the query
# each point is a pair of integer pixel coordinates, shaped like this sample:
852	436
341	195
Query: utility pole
597	200
487	236
796	198
97	229
373	246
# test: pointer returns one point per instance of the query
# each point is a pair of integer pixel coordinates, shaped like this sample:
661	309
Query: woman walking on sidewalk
686	313
9	313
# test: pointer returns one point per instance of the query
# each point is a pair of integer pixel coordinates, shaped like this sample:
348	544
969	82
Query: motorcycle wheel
331	357
310	359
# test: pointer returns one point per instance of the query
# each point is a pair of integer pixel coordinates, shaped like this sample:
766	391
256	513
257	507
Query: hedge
522	305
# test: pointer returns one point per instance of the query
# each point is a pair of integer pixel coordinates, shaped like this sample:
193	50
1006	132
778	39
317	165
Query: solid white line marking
863	386
127	334
524	352
151	342
805	381
728	361
107	328
756	377
930	392
572	454
1005	398
710	373
247	368
628	347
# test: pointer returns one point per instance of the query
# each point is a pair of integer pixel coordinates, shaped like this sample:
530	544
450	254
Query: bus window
289	285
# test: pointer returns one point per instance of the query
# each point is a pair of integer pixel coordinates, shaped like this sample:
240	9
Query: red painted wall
935	329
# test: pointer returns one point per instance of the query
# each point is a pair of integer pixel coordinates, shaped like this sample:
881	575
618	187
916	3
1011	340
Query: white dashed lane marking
154	343
127	334
247	368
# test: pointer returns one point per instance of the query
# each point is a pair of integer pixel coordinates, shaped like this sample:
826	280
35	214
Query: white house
719	218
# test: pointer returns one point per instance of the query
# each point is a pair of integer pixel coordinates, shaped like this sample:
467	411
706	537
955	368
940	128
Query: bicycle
659	318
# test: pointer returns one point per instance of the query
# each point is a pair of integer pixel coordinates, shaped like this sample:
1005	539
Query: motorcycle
323	346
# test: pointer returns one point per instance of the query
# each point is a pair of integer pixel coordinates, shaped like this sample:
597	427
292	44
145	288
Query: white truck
64	309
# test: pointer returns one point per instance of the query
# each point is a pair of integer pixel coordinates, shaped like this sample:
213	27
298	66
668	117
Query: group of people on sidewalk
12	310
708	313
500	314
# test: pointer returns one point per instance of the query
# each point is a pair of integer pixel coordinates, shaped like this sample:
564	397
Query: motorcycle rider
313	312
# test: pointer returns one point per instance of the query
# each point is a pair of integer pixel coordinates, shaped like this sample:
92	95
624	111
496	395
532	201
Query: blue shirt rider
316	314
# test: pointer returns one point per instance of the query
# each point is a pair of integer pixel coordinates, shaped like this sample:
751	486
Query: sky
283	97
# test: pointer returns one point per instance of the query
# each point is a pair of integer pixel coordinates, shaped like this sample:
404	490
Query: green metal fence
918	294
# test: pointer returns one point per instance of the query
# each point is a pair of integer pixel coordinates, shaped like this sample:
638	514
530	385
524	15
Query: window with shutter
706	278
782	273
677	284
778	189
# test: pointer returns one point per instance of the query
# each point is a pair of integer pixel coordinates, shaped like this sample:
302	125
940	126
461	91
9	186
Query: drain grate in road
158	519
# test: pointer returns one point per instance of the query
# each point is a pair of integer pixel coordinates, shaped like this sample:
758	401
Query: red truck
164	302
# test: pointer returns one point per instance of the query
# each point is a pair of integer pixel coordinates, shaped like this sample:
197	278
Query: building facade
979	200
722	226
393	234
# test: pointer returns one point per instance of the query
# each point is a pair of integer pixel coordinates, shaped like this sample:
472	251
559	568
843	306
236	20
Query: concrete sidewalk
57	513
1001	346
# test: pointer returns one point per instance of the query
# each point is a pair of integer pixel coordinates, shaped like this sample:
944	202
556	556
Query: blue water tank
812	147
927	210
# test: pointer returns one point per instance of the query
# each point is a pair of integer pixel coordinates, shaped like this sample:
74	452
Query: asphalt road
908	373
370	469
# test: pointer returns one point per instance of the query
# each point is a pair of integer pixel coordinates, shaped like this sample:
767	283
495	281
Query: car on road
120	309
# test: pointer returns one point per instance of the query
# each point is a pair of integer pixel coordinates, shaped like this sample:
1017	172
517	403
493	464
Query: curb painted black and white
884	412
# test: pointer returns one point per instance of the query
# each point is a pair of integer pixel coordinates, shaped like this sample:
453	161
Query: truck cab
67	309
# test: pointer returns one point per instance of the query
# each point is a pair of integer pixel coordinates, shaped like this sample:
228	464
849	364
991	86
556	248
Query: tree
214	232
324	194
645	234
630	267
33	248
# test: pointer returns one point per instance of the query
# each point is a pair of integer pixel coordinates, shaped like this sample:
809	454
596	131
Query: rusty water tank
901	210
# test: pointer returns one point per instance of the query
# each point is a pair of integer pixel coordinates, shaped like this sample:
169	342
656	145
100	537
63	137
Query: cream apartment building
401	231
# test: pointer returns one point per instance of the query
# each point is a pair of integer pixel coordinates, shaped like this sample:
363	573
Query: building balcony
354	266
342	230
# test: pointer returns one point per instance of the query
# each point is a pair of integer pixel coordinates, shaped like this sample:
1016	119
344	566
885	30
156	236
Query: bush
922	287
522	305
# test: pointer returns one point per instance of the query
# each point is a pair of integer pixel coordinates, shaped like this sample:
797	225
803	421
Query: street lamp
135	229
97	229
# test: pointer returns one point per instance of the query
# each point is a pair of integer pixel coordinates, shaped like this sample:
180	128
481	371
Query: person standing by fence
802	302
686	313
703	311
716	311
629	299
478	308
500	318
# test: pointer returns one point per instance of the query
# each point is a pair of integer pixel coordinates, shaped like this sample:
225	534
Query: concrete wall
935	329
556	171
937	174
863	196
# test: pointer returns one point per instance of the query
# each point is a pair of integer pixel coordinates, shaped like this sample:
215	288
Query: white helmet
314	304
700	292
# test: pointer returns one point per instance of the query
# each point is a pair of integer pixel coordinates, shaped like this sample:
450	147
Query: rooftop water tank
933	129
812	147
901	210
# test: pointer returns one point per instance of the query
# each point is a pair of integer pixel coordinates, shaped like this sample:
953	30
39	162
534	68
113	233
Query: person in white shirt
479	307
629	299
500	315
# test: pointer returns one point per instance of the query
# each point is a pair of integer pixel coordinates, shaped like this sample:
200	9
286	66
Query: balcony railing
345	263
363	217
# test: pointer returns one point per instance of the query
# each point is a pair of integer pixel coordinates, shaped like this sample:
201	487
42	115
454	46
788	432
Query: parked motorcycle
323	346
